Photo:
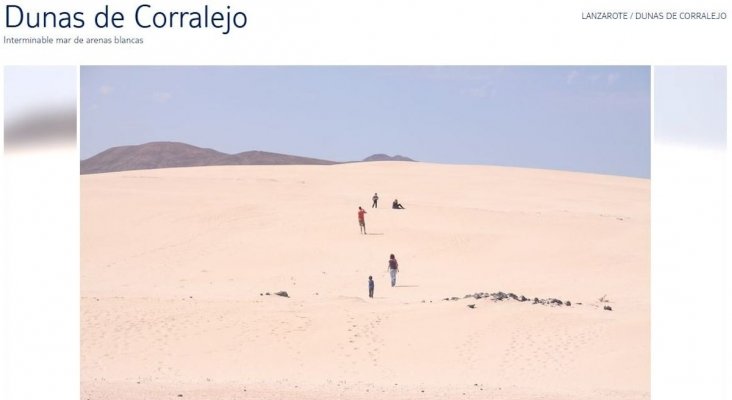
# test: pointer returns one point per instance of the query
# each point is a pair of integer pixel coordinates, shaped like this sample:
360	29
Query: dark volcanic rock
282	293
555	301
500	296
608	308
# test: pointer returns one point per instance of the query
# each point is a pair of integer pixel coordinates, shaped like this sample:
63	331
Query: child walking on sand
371	287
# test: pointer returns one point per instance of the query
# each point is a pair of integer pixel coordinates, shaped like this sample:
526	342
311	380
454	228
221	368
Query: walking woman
393	269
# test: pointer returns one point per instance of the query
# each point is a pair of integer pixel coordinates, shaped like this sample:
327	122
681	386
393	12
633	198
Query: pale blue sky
35	89
691	105
588	119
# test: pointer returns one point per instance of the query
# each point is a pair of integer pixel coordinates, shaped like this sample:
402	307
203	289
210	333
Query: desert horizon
176	265
172	154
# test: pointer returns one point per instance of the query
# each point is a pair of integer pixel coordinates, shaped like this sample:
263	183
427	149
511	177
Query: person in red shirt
362	220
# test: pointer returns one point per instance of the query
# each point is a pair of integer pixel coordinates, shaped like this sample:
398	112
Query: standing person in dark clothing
393	269
371	287
376	201
362	220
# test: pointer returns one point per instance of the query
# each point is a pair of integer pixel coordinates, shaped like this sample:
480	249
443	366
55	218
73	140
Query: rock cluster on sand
501	296
281	293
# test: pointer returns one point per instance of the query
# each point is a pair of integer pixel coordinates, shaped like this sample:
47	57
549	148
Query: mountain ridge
154	155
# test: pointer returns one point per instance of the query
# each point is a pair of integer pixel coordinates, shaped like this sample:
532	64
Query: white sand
174	261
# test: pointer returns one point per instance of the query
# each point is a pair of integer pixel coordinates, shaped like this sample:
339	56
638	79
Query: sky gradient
586	119
691	106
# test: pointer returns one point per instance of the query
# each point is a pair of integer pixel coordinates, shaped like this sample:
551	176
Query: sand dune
174	262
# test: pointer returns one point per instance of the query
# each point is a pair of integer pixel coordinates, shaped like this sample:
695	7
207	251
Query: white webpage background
429	32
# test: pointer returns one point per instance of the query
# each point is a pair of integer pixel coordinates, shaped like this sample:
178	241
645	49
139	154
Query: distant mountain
384	157
266	158
173	154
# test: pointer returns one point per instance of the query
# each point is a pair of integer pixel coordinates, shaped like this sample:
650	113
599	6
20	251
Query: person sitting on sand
395	205
362	220
371	287
393	269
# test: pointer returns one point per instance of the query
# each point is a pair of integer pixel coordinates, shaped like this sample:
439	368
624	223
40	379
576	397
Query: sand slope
174	261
